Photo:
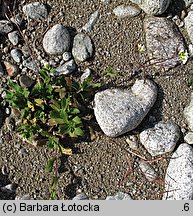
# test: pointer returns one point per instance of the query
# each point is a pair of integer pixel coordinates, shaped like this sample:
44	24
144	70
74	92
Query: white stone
66	68
132	142
5	27
119	196
153	7
148	170
56	40
80	196
188	113
82	47
66	56
16	55
189	25
85	75
126	11
106	1
179	175
36	11
189	138
119	111
92	20
160	139
14	37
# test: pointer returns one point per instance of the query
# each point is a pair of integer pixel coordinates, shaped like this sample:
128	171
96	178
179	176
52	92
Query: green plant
109	72
183	56
53	110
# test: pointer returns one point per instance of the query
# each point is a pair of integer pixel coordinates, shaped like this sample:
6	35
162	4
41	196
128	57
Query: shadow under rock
71	189
4	180
176	7
72	31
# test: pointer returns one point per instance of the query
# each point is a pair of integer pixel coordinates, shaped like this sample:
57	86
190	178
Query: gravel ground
100	167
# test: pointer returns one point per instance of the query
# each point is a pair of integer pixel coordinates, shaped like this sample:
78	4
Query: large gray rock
179	175
5	27
188	113
160	139
189	25
56	40
119	111
36	11
153	7
164	42
126	11
82	47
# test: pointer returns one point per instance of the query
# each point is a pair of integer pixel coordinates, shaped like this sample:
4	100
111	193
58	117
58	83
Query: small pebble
189	138
24	197
25	51
92	20
119	196
10	123
5	26
190	49
11	69
106	1
147	170
85	75
16	55
14	37
80	196
23	152
26	81
132	141
7	110
66	56
17	19
29	64
4	170
183	14
6	50
67	68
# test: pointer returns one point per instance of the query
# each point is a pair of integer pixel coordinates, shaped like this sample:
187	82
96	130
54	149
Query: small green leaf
55	105
75	111
31	106
62	129
54	114
52	122
39	102
77	120
52	189
78	131
65	103
59	120
50	165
